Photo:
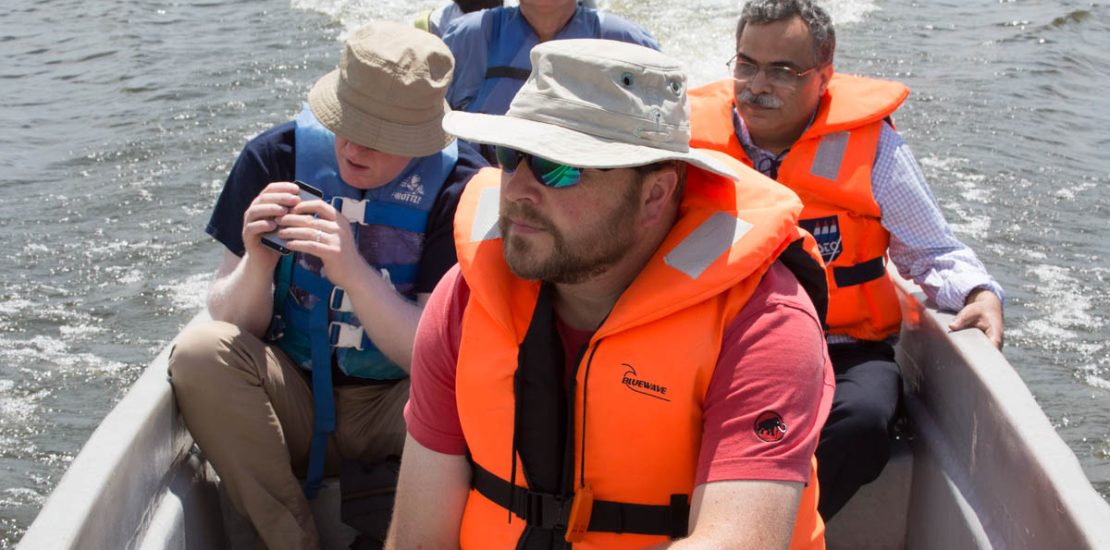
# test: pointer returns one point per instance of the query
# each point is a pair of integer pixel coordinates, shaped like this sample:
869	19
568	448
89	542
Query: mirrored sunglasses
551	174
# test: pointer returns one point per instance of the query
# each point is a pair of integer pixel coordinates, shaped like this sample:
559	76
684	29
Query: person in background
829	137
435	21
626	354
491	47
306	361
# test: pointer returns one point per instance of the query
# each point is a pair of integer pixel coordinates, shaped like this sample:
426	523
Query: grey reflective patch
713	238
485	219
830	154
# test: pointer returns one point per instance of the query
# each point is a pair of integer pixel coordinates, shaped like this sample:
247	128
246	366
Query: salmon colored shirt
773	361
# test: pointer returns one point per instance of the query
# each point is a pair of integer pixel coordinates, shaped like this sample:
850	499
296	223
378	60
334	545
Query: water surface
122	119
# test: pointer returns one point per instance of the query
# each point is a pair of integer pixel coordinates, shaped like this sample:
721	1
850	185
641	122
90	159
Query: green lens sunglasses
551	174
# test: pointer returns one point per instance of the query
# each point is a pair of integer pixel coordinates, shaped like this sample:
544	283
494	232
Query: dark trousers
855	442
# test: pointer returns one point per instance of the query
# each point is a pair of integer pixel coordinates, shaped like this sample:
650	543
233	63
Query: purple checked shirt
922	245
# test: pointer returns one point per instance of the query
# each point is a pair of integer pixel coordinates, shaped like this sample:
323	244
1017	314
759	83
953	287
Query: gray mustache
767	101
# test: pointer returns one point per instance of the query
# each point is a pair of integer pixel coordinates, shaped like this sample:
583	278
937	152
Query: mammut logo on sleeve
769	427
633	382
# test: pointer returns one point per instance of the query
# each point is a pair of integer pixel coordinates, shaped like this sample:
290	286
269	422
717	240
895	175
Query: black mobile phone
308	193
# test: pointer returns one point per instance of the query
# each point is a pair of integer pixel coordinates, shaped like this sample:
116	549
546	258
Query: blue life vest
510	40
313	319
390	222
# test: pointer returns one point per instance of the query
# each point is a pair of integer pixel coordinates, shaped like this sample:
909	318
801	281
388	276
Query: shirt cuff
954	289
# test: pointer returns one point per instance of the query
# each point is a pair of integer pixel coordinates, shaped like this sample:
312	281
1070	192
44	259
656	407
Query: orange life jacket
634	406
829	167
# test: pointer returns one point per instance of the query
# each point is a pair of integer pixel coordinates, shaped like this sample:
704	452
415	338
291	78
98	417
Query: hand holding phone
271	239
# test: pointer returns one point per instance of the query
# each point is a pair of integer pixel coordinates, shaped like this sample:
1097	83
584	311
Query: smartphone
308	193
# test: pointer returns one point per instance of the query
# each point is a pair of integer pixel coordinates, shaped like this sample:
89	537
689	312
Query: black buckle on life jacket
543	510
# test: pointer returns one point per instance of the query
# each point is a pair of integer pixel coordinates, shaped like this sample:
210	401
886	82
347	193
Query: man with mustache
829	138
625	355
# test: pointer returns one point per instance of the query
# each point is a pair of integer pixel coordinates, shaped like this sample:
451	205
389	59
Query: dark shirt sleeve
439	240
267	158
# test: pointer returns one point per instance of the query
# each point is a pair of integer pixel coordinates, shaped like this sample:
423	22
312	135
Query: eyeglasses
551	174
779	76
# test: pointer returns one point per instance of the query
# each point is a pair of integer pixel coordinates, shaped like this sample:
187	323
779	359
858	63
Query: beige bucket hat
595	104
389	92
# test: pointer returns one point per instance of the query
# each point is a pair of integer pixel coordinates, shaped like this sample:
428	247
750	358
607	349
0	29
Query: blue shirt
468	40
922	245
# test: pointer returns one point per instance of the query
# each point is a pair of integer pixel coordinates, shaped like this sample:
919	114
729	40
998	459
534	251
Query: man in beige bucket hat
628	352
306	362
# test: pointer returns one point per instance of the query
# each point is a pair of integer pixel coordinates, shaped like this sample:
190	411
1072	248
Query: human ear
657	196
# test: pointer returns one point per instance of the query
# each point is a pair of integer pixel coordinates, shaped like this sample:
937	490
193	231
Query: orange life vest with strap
608	458
829	167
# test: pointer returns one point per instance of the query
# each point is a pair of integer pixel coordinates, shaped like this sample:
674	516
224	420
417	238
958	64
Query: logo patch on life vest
633	382
411	190
769	427
827	233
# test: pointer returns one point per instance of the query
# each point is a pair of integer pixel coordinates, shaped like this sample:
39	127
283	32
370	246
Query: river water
121	119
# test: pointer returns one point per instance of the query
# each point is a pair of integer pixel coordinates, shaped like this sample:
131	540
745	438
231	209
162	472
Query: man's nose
759	84
521	184
356	151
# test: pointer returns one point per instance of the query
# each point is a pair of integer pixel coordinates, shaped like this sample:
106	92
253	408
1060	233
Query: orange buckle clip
580	510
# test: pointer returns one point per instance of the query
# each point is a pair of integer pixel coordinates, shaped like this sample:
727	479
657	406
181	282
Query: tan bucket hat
595	104
389	92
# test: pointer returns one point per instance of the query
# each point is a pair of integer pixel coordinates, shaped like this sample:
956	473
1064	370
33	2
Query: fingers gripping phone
271	239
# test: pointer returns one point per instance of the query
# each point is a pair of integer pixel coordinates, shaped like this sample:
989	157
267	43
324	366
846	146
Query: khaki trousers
251	412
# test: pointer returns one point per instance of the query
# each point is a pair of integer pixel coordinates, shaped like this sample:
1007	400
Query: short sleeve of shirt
771	391
431	413
267	158
439	239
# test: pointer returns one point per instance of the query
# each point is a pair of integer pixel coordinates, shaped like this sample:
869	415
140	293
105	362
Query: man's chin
523	268
750	110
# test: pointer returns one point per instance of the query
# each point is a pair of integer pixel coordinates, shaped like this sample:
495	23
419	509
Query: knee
865	423
201	355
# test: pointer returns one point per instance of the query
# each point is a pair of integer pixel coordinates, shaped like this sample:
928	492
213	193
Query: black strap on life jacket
541	401
860	273
550	511
508	72
541	422
810	275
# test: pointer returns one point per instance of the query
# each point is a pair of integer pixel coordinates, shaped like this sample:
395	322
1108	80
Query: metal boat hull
983	467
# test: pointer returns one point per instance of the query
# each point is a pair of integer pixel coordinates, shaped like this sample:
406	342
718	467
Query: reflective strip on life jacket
714	237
